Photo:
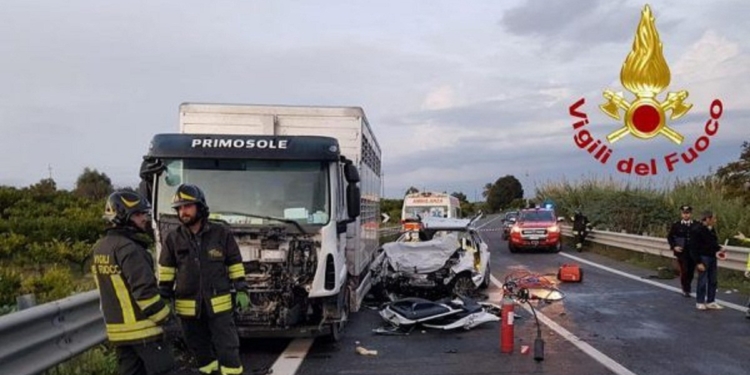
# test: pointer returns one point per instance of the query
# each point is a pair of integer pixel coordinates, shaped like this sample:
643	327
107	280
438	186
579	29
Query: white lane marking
491	220
647	281
575	340
289	361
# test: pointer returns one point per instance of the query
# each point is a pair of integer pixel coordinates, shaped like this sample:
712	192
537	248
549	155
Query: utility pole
49	168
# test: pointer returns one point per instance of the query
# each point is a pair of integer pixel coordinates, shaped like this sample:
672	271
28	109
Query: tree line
46	236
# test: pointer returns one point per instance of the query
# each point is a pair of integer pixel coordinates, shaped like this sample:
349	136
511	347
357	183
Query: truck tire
337	329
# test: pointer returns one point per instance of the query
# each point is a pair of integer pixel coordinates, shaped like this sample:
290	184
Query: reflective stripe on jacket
124	273
200	269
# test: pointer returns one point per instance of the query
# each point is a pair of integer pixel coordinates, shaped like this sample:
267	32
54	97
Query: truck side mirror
353	197
350	173
150	168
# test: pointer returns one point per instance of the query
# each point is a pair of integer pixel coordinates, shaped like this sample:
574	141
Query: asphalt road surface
616	321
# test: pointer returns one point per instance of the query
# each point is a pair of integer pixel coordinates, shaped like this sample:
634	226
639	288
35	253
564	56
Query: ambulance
428	204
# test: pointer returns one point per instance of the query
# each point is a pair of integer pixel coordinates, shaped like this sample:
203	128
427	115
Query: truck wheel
337	328
336	332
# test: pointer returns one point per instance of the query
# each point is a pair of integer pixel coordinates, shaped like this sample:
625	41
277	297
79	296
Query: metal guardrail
38	338
736	255
41	337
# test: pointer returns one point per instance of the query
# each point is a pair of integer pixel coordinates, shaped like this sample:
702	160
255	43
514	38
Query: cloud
455	99
583	22
567	29
714	67
440	98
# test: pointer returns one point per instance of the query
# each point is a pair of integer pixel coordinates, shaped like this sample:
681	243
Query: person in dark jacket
199	264
681	242
134	312
581	227
704	248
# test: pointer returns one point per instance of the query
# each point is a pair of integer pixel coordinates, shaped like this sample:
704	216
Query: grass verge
100	360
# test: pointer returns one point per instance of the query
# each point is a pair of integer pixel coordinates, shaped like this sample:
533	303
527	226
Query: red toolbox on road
570	273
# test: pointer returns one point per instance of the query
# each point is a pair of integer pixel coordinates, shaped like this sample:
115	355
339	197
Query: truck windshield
236	190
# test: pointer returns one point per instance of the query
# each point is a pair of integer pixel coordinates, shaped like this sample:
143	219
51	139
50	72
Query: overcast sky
458	93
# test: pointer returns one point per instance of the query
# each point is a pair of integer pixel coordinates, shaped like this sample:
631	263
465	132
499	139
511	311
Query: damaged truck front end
290	213
280	269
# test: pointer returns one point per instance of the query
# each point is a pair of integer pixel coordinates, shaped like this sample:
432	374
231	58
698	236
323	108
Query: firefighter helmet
189	194
122	204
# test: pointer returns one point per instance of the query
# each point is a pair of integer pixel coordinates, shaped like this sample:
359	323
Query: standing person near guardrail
133	310
204	261
704	248
681	242
581	227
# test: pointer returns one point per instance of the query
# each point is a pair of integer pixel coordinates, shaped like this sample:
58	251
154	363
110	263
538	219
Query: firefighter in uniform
204	262
580	229
680	241
133	310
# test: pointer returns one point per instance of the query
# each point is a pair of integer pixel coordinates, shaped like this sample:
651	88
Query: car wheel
463	286
512	248
557	248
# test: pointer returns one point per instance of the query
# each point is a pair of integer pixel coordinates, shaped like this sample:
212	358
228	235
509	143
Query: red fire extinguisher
506	325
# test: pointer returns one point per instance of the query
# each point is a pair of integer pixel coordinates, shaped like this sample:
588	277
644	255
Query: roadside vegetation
46	237
641	209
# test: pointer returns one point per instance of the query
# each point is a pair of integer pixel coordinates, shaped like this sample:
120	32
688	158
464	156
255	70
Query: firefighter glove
243	300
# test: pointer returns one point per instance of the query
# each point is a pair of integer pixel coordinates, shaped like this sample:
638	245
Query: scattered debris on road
366	352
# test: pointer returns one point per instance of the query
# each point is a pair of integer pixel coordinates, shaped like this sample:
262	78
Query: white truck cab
300	189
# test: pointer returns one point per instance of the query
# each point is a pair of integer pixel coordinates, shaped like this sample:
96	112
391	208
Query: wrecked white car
444	257
444	314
